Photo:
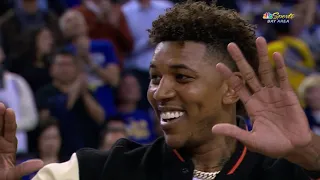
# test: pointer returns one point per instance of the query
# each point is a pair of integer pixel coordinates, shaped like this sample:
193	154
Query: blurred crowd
76	71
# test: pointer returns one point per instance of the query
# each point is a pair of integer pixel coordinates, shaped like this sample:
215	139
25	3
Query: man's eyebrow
182	66
175	67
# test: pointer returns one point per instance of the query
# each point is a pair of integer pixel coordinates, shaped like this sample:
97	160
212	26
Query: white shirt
139	20
18	96
60	171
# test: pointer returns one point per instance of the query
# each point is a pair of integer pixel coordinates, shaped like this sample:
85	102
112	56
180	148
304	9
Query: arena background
110	54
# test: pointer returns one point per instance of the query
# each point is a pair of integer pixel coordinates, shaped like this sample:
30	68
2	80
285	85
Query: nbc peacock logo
267	15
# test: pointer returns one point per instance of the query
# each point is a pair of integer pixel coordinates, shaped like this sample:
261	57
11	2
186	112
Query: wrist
307	157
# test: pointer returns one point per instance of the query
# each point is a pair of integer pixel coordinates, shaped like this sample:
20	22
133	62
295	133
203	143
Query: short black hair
126	73
106	130
47	123
63	51
212	25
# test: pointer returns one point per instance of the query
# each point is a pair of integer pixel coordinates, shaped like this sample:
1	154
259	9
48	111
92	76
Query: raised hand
8	149
279	122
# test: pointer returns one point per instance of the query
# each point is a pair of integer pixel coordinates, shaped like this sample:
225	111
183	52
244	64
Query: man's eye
155	79
182	78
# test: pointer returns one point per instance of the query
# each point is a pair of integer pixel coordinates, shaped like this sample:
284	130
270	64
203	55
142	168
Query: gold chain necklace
205	175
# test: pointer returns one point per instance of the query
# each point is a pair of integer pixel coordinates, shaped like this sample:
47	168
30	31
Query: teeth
171	115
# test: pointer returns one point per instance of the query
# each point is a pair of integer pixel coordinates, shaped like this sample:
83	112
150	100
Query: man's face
50	141
313	97
64	68
117	130
129	89
73	24
186	87
45	41
110	138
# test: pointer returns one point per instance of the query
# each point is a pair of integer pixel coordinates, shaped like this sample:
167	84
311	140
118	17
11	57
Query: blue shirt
102	53
140	126
314	122
72	3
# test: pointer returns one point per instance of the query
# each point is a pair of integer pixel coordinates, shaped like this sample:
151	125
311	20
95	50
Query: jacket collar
177	164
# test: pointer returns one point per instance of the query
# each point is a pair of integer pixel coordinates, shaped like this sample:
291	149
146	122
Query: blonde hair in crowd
67	15
309	82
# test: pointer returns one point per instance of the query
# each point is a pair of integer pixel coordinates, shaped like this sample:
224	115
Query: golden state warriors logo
276	17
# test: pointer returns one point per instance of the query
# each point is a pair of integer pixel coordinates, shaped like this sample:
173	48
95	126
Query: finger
10	126
265	68
2	110
233	131
245	69
26	168
234	82
282	73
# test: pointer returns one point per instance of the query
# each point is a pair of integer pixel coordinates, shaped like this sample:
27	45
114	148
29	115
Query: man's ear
230	96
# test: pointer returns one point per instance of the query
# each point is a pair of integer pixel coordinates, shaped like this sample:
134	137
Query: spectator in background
309	92
49	143
114	130
311	35
106	21
15	93
57	6
36	72
249	8
141	126
15	28
68	99
97	57
297	55
140	14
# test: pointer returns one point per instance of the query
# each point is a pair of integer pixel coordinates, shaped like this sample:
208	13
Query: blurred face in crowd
104	5
50	141
313	97
64	68
187	93
129	89
73	24
44	41
116	131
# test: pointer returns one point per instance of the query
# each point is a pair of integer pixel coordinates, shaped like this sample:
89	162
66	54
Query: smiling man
188	95
197	74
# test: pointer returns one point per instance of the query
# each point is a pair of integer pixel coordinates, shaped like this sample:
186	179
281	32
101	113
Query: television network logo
276	17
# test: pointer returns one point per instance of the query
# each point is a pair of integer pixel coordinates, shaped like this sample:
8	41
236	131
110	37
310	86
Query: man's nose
165	90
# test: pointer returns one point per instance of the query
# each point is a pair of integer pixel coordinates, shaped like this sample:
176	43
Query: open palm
279	122
8	149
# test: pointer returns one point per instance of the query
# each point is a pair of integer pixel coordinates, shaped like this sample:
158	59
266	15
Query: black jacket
129	160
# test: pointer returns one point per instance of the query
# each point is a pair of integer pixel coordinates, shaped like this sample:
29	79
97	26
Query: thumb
25	168
233	131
